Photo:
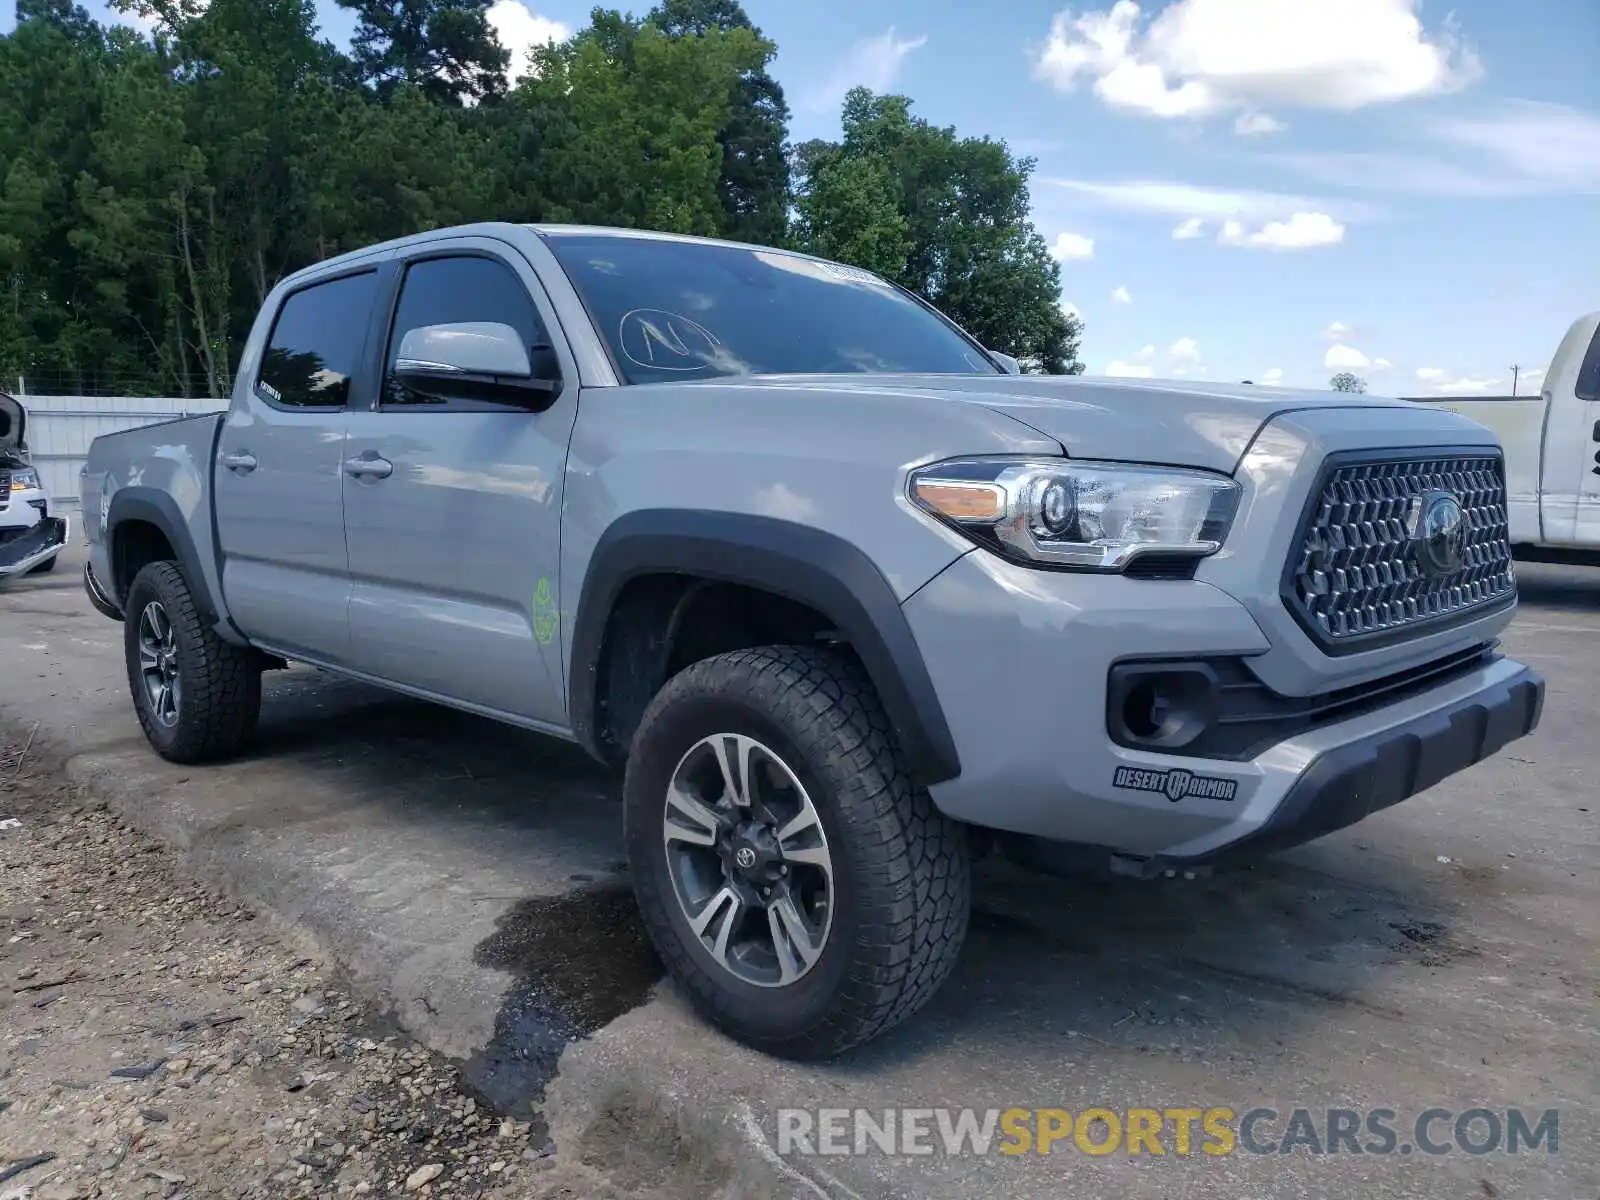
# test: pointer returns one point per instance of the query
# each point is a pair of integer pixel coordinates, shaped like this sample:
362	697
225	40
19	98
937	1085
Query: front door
452	505
280	519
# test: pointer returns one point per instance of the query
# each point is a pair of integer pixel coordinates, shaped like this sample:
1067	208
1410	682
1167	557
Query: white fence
60	429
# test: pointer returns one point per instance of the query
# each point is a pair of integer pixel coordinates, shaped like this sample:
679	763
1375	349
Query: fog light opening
1163	709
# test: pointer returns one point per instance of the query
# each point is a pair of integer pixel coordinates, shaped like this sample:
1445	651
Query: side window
317	342
443	291
1588	384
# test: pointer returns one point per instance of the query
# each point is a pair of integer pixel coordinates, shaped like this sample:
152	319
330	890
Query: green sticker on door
545	615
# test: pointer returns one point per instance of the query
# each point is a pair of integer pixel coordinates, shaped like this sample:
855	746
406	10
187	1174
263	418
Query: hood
1171	422
13	425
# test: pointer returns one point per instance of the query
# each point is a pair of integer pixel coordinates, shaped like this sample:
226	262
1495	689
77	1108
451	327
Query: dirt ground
157	1039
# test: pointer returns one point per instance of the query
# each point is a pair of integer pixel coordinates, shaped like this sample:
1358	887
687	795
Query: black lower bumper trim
1347	783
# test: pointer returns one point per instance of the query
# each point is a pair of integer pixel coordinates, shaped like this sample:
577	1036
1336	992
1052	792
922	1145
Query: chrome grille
1357	574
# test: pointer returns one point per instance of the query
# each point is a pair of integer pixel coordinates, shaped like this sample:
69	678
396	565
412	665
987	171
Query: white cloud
1431	374
1254	124
1345	358
1272	375
1121	295
1199	57
1466	385
520	30
1211	203
1185	349
1071	309
146	19
1070	246
1337	331
1190	229
1548	143
1382	364
1129	370
1521	148
1302	231
873	62
1147	353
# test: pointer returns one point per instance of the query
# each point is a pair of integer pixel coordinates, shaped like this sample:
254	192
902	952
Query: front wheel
197	696
794	881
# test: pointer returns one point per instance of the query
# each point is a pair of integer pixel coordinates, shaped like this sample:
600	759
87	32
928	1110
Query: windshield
690	310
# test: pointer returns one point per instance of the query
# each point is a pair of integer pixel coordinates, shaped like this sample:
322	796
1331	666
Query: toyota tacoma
851	597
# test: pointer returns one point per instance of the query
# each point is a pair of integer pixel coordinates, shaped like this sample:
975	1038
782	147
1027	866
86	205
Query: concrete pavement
471	877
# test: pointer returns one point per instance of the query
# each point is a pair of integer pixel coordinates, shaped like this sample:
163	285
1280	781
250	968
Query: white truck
1552	452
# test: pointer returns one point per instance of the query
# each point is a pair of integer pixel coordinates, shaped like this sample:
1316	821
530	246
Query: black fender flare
803	564
155	507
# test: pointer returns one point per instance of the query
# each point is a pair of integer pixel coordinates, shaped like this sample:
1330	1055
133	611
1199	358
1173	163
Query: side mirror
1011	365
479	359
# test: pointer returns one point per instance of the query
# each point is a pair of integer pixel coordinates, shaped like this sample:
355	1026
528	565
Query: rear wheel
197	696
805	894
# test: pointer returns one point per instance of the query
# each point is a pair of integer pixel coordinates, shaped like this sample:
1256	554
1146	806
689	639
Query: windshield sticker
819	269
667	341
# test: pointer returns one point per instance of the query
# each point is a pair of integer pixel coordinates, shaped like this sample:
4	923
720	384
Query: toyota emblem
1438	529
746	858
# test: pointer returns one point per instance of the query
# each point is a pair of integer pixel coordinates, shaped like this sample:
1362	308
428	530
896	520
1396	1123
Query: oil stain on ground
580	961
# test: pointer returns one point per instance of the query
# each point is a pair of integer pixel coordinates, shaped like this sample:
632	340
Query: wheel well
661	624
134	546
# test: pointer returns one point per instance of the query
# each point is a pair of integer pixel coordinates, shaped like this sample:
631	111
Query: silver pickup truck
851	598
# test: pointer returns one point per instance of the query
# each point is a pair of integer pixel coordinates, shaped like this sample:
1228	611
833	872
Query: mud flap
45	540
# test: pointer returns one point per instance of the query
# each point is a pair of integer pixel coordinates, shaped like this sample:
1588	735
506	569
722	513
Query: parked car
849	598
31	536
1552	448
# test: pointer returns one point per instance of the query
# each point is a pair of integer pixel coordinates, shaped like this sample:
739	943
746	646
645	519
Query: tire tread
914	871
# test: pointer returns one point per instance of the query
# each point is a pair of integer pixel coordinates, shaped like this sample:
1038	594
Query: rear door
454	540
279	501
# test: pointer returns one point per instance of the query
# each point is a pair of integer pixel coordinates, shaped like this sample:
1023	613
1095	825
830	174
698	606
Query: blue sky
1254	189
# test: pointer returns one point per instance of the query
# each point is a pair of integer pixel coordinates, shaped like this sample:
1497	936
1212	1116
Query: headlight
24	479
1090	516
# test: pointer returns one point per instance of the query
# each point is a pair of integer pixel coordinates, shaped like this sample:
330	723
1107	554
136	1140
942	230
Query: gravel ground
158	1040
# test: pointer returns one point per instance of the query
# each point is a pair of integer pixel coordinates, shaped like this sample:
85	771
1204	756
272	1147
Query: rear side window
1588	385
317	342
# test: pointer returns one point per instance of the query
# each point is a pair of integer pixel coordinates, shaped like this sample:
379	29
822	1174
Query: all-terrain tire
220	684
45	567
902	873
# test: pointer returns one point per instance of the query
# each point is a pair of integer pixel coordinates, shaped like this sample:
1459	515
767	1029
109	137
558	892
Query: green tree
445	47
755	166
1344	381
946	217
620	125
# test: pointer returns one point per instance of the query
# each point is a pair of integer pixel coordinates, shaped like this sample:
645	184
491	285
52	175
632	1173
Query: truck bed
166	464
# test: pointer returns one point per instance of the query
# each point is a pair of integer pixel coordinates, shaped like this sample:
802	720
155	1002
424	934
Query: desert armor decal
1175	785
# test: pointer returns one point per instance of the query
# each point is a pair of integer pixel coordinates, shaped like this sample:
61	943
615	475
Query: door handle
243	462
377	468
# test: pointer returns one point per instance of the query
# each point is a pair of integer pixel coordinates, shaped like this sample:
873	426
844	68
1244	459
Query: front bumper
1352	780
42	541
1020	659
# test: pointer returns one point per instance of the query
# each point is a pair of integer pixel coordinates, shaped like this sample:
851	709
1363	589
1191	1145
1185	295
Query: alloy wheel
749	860
158	664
